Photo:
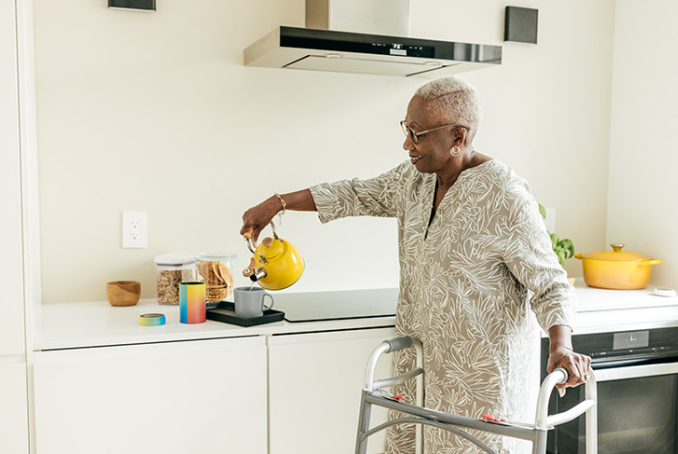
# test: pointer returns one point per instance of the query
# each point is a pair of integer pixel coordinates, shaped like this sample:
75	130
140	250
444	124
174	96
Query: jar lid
174	260
215	256
617	254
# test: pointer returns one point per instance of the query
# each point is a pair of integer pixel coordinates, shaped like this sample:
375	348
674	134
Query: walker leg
363	425
591	431
539	443
419	428
592	418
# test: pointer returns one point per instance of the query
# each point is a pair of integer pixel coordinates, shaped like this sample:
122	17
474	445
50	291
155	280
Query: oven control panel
645	345
631	340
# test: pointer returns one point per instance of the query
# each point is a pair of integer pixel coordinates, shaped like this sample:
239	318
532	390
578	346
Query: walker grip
399	343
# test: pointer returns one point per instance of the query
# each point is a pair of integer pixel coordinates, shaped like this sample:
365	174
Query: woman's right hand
258	217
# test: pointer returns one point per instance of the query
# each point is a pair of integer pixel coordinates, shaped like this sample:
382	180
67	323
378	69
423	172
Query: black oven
637	375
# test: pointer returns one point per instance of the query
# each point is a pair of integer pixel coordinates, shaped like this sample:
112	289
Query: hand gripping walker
372	394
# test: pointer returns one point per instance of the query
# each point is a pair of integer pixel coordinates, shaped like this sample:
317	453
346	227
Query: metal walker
373	394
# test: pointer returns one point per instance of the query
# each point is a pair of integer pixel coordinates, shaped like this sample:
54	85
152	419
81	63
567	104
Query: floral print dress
471	283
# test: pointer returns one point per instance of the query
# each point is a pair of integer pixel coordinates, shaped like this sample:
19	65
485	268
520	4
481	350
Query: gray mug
249	302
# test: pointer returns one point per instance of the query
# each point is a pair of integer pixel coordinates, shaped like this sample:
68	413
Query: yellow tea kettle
276	263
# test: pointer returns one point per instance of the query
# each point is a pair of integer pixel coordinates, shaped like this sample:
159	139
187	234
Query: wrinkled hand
258	217
576	365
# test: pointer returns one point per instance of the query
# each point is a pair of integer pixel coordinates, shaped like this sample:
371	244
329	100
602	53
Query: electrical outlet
550	220
134	229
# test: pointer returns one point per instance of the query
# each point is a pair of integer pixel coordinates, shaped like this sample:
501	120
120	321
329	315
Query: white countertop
96	324
601	310
90	324
76	325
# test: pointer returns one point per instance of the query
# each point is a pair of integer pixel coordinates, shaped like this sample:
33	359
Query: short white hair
452	100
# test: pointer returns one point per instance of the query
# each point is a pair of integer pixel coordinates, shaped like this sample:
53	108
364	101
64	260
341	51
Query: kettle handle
248	237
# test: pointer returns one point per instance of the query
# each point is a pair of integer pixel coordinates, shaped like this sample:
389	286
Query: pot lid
616	254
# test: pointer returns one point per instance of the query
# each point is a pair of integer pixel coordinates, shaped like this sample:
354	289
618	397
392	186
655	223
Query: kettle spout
259	273
254	272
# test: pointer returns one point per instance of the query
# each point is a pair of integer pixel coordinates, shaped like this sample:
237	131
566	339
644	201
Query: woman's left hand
576	365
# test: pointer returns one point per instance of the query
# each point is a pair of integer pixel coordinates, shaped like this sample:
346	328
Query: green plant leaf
542	211
560	252
554	240
568	246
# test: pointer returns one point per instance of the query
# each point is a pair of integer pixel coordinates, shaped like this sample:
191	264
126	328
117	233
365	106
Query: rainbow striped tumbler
192	302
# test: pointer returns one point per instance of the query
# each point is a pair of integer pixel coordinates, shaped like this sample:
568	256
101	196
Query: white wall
155	112
642	207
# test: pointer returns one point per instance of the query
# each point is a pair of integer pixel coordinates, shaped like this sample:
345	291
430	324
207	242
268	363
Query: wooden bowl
123	293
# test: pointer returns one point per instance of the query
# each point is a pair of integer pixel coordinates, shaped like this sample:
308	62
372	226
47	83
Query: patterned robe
469	286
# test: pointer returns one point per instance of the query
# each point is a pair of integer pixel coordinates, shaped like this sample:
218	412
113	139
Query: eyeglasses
414	136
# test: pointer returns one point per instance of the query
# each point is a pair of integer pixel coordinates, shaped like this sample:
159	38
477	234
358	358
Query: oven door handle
647	370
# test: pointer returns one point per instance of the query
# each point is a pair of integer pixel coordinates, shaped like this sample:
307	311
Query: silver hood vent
368	37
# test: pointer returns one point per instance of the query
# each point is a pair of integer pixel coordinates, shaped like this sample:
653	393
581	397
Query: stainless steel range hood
341	36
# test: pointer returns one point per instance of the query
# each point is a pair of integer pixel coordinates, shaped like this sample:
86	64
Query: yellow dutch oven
276	263
617	270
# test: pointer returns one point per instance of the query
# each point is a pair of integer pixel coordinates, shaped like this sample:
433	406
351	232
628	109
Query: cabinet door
315	381
11	265
13	409
202	397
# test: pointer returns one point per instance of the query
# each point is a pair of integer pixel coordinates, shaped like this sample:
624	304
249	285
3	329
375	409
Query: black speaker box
143	5
520	25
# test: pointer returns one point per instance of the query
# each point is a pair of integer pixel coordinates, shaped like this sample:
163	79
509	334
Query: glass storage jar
216	271
171	270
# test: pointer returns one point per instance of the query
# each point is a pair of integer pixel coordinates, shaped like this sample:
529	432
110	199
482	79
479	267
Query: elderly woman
475	257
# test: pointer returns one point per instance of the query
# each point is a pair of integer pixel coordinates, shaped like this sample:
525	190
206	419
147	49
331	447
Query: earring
455	151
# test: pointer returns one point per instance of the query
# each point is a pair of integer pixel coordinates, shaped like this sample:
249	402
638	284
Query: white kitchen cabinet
315	382
14	434
206	396
13	409
11	265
